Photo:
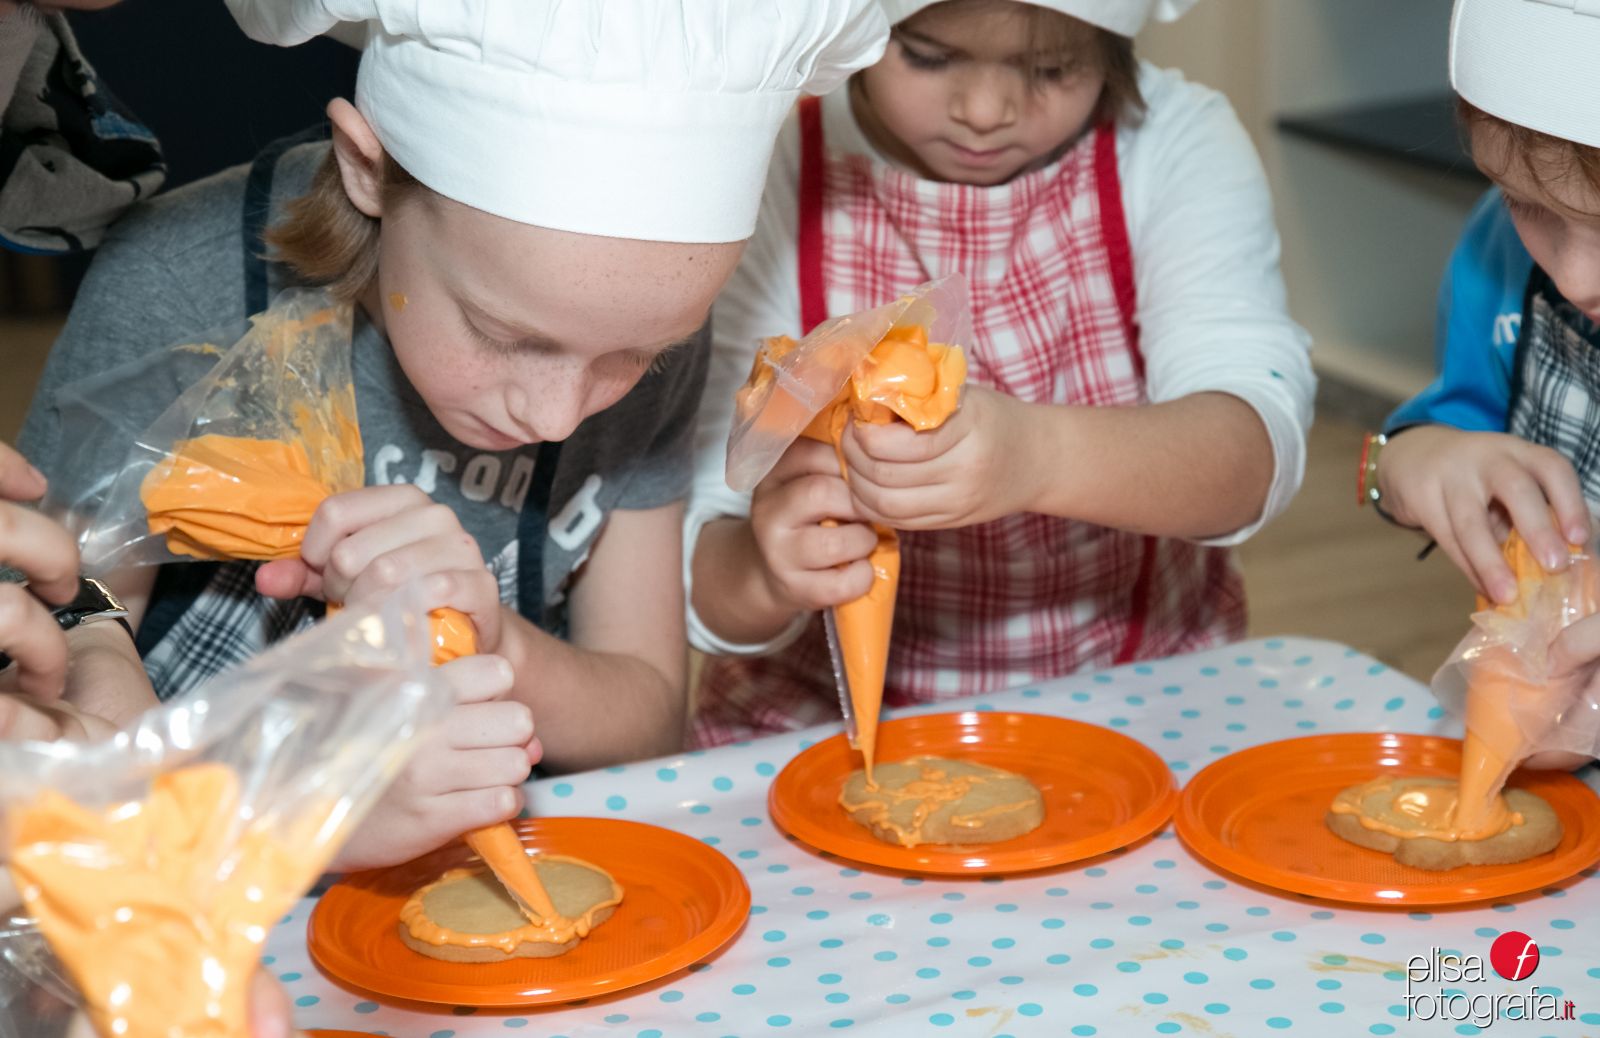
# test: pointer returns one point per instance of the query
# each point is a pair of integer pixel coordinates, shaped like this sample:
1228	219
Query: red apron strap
1119	249
1114	228
813	291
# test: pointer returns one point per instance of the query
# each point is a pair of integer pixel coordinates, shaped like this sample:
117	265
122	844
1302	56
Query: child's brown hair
1058	37
326	240
1542	156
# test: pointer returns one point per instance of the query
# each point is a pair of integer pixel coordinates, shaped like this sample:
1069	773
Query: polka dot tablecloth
1148	941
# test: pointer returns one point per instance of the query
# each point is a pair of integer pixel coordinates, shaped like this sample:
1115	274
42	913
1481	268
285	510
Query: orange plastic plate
1102	790
682	900
1259	814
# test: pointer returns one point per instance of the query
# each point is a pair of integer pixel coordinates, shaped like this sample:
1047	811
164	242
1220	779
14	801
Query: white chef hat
649	119
1535	63
1123	17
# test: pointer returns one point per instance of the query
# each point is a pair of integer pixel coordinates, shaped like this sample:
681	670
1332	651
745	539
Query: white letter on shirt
434	462
478	479
579	517
386	456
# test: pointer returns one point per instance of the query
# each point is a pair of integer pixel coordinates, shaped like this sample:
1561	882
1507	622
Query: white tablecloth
1146	942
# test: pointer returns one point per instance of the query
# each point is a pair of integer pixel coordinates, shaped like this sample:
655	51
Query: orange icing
930	790
1473	808
1413	807
227	497
905	377
501	850
397	300
554	929
158	908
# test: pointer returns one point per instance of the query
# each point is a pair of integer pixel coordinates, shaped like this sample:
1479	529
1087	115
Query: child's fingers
475	592
1560	484
19	481
897	442
446	551
804	502
361	547
906	508
477	679
42	550
457	813
805	457
889	474
270	1016
343	514
479	769
1524	500
31	637
1483	561
826	547
288	578
845	584
477	726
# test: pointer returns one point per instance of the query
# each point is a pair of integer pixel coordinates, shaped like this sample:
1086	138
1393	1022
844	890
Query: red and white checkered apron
1029	596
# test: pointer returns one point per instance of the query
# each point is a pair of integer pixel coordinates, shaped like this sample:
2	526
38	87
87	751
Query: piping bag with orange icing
236	466
154	864
902	361
1500	682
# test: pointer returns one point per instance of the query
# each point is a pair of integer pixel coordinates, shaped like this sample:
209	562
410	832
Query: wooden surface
1331	570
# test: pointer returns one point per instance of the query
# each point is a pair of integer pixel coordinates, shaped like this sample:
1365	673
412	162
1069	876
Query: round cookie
468	916
925	800
1539	832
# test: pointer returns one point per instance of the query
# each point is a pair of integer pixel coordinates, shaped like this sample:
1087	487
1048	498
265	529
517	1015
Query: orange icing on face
553	929
904	378
158	908
930	790
397	300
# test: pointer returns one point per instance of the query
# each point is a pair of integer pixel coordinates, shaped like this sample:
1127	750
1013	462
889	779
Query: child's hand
969	470
363	544
1468	489
468	774
810	566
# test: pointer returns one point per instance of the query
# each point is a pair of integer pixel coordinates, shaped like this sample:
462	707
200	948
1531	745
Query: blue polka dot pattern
835	948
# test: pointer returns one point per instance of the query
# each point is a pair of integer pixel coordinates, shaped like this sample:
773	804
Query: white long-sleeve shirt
1211	301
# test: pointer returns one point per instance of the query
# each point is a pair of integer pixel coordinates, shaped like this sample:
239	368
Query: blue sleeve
1475	337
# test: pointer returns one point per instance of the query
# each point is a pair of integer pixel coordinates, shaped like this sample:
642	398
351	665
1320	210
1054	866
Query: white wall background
1365	238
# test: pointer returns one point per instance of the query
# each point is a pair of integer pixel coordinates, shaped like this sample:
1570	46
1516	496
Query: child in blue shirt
1508	435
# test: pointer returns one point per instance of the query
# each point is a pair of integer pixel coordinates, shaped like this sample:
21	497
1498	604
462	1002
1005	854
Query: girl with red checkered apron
1137	401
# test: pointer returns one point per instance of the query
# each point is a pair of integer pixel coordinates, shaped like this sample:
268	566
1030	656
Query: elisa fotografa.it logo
1435	985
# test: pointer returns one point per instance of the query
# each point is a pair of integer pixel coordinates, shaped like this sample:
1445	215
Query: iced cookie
1414	819
466	915
933	800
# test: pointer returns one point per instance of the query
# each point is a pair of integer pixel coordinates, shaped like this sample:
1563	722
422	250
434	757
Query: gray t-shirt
174	269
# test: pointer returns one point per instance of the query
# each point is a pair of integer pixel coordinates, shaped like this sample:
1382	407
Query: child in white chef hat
532	206
1138	396
1508	435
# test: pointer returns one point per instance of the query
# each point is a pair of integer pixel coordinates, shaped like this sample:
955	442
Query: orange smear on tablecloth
904	378
158	921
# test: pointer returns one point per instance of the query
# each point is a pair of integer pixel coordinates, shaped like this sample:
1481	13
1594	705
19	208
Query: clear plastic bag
791	382
1499	679
251	437
155	863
